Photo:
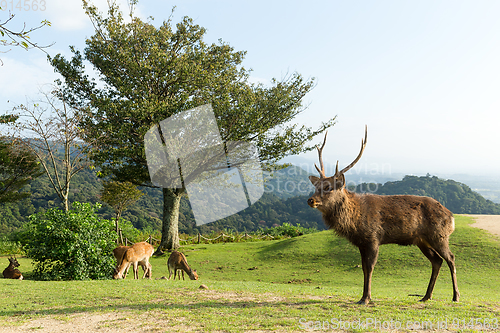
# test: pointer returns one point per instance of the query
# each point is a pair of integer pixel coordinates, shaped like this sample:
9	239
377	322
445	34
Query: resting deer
369	220
11	272
139	253
118	254
177	261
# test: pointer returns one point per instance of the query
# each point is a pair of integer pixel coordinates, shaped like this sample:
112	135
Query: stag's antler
363	145
320	151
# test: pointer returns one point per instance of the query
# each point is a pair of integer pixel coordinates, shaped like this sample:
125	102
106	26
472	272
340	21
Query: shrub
287	230
73	245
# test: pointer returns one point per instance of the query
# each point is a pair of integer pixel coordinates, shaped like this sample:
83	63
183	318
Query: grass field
307	282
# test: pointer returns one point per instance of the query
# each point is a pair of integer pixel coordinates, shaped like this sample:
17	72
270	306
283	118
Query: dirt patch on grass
133	321
123	321
490	223
82	323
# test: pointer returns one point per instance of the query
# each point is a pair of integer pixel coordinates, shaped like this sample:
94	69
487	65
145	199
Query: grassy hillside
280	285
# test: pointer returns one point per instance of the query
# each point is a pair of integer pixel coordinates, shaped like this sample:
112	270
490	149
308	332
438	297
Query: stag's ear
340	181
314	180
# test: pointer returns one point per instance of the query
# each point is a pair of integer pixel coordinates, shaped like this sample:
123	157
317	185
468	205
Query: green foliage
18	166
73	245
9	247
188	73
133	234
287	230
457	197
119	195
231	236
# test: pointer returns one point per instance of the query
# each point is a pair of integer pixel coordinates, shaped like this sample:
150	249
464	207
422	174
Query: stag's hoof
425	299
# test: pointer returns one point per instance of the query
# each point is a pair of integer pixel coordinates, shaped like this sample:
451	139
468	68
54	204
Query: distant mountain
457	197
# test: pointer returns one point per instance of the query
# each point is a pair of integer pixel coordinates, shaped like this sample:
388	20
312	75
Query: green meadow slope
285	285
325	260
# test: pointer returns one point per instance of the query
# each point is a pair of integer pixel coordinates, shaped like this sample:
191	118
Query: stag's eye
327	188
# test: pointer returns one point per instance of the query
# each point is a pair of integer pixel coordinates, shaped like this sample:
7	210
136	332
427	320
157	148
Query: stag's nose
310	202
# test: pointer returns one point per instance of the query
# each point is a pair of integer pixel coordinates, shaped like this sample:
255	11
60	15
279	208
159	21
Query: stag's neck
185	267
343	213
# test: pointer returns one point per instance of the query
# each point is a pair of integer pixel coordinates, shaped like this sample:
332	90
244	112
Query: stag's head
328	188
193	275
117	275
13	262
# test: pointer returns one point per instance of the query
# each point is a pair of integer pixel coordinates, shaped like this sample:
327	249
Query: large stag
369	220
11	272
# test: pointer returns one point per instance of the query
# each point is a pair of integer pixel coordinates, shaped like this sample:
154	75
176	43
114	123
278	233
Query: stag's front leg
369	256
436	262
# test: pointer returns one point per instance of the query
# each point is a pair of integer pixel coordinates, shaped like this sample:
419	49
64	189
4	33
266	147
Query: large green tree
150	73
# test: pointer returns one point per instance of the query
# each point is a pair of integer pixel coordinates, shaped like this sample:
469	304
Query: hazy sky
423	75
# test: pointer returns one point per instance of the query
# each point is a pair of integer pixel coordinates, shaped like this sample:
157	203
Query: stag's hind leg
446	254
436	262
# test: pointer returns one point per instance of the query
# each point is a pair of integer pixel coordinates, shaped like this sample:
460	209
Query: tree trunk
118	214
65	201
170	229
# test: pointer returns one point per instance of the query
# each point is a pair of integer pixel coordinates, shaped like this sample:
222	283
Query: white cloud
21	80
258	80
69	15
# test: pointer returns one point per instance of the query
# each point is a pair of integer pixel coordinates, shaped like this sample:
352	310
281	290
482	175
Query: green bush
287	230
74	245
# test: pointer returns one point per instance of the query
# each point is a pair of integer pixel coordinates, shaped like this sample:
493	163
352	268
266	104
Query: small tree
73	245
49	130
119	195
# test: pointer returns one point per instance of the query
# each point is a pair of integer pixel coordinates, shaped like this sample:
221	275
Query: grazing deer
118	254
11	272
177	261
139	253
369	220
